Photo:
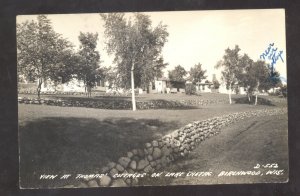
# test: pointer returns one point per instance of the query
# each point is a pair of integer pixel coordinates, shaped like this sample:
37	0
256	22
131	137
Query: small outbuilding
161	85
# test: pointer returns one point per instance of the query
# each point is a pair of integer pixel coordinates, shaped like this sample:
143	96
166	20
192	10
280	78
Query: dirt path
238	147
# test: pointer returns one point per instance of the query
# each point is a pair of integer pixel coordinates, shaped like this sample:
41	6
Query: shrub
277	92
216	84
190	89
260	101
283	91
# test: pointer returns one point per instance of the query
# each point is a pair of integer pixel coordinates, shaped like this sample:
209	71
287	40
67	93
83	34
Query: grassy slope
82	140
238	147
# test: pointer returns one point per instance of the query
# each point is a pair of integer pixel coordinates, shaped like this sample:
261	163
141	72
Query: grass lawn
62	140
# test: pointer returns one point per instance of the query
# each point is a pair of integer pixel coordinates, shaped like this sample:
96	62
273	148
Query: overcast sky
194	36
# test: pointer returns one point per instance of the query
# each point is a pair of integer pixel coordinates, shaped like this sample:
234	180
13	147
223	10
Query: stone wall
157	154
121	104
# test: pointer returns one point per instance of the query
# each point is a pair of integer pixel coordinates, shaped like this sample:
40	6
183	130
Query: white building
73	85
204	87
161	85
224	90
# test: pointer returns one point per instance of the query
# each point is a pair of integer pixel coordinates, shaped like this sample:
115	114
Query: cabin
236	90
204	87
161	85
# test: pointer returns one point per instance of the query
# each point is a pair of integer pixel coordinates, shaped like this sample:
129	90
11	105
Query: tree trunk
249	98
132	89
229	94
85	86
255	99
256	94
40	81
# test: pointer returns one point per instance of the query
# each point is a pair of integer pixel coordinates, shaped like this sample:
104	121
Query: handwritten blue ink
272	54
267	51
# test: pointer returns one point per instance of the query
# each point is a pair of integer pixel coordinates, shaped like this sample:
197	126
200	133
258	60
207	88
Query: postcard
152	98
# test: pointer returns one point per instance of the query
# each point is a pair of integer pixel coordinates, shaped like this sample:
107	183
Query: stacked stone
33	91
119	104
277	100
158	154
203	102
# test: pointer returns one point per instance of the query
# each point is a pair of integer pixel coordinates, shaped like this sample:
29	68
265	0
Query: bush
190	89
276	93
283	91
260	101
216	84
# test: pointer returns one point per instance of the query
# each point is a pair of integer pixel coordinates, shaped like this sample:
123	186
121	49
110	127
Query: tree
261	76
244	77
177	74
216	83
39	50
255	77
176	77
190	89
158	67
111	76
137	48
283	90
274	80
231	68
197	73
63	70
151	72
88	69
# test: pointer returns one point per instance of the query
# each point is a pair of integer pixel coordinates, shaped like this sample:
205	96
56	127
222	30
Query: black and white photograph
126	99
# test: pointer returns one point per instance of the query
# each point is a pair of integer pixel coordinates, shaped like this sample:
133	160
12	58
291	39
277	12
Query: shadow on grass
81	145
260	101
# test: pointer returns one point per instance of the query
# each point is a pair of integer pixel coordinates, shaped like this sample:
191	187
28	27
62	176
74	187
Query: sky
194	36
